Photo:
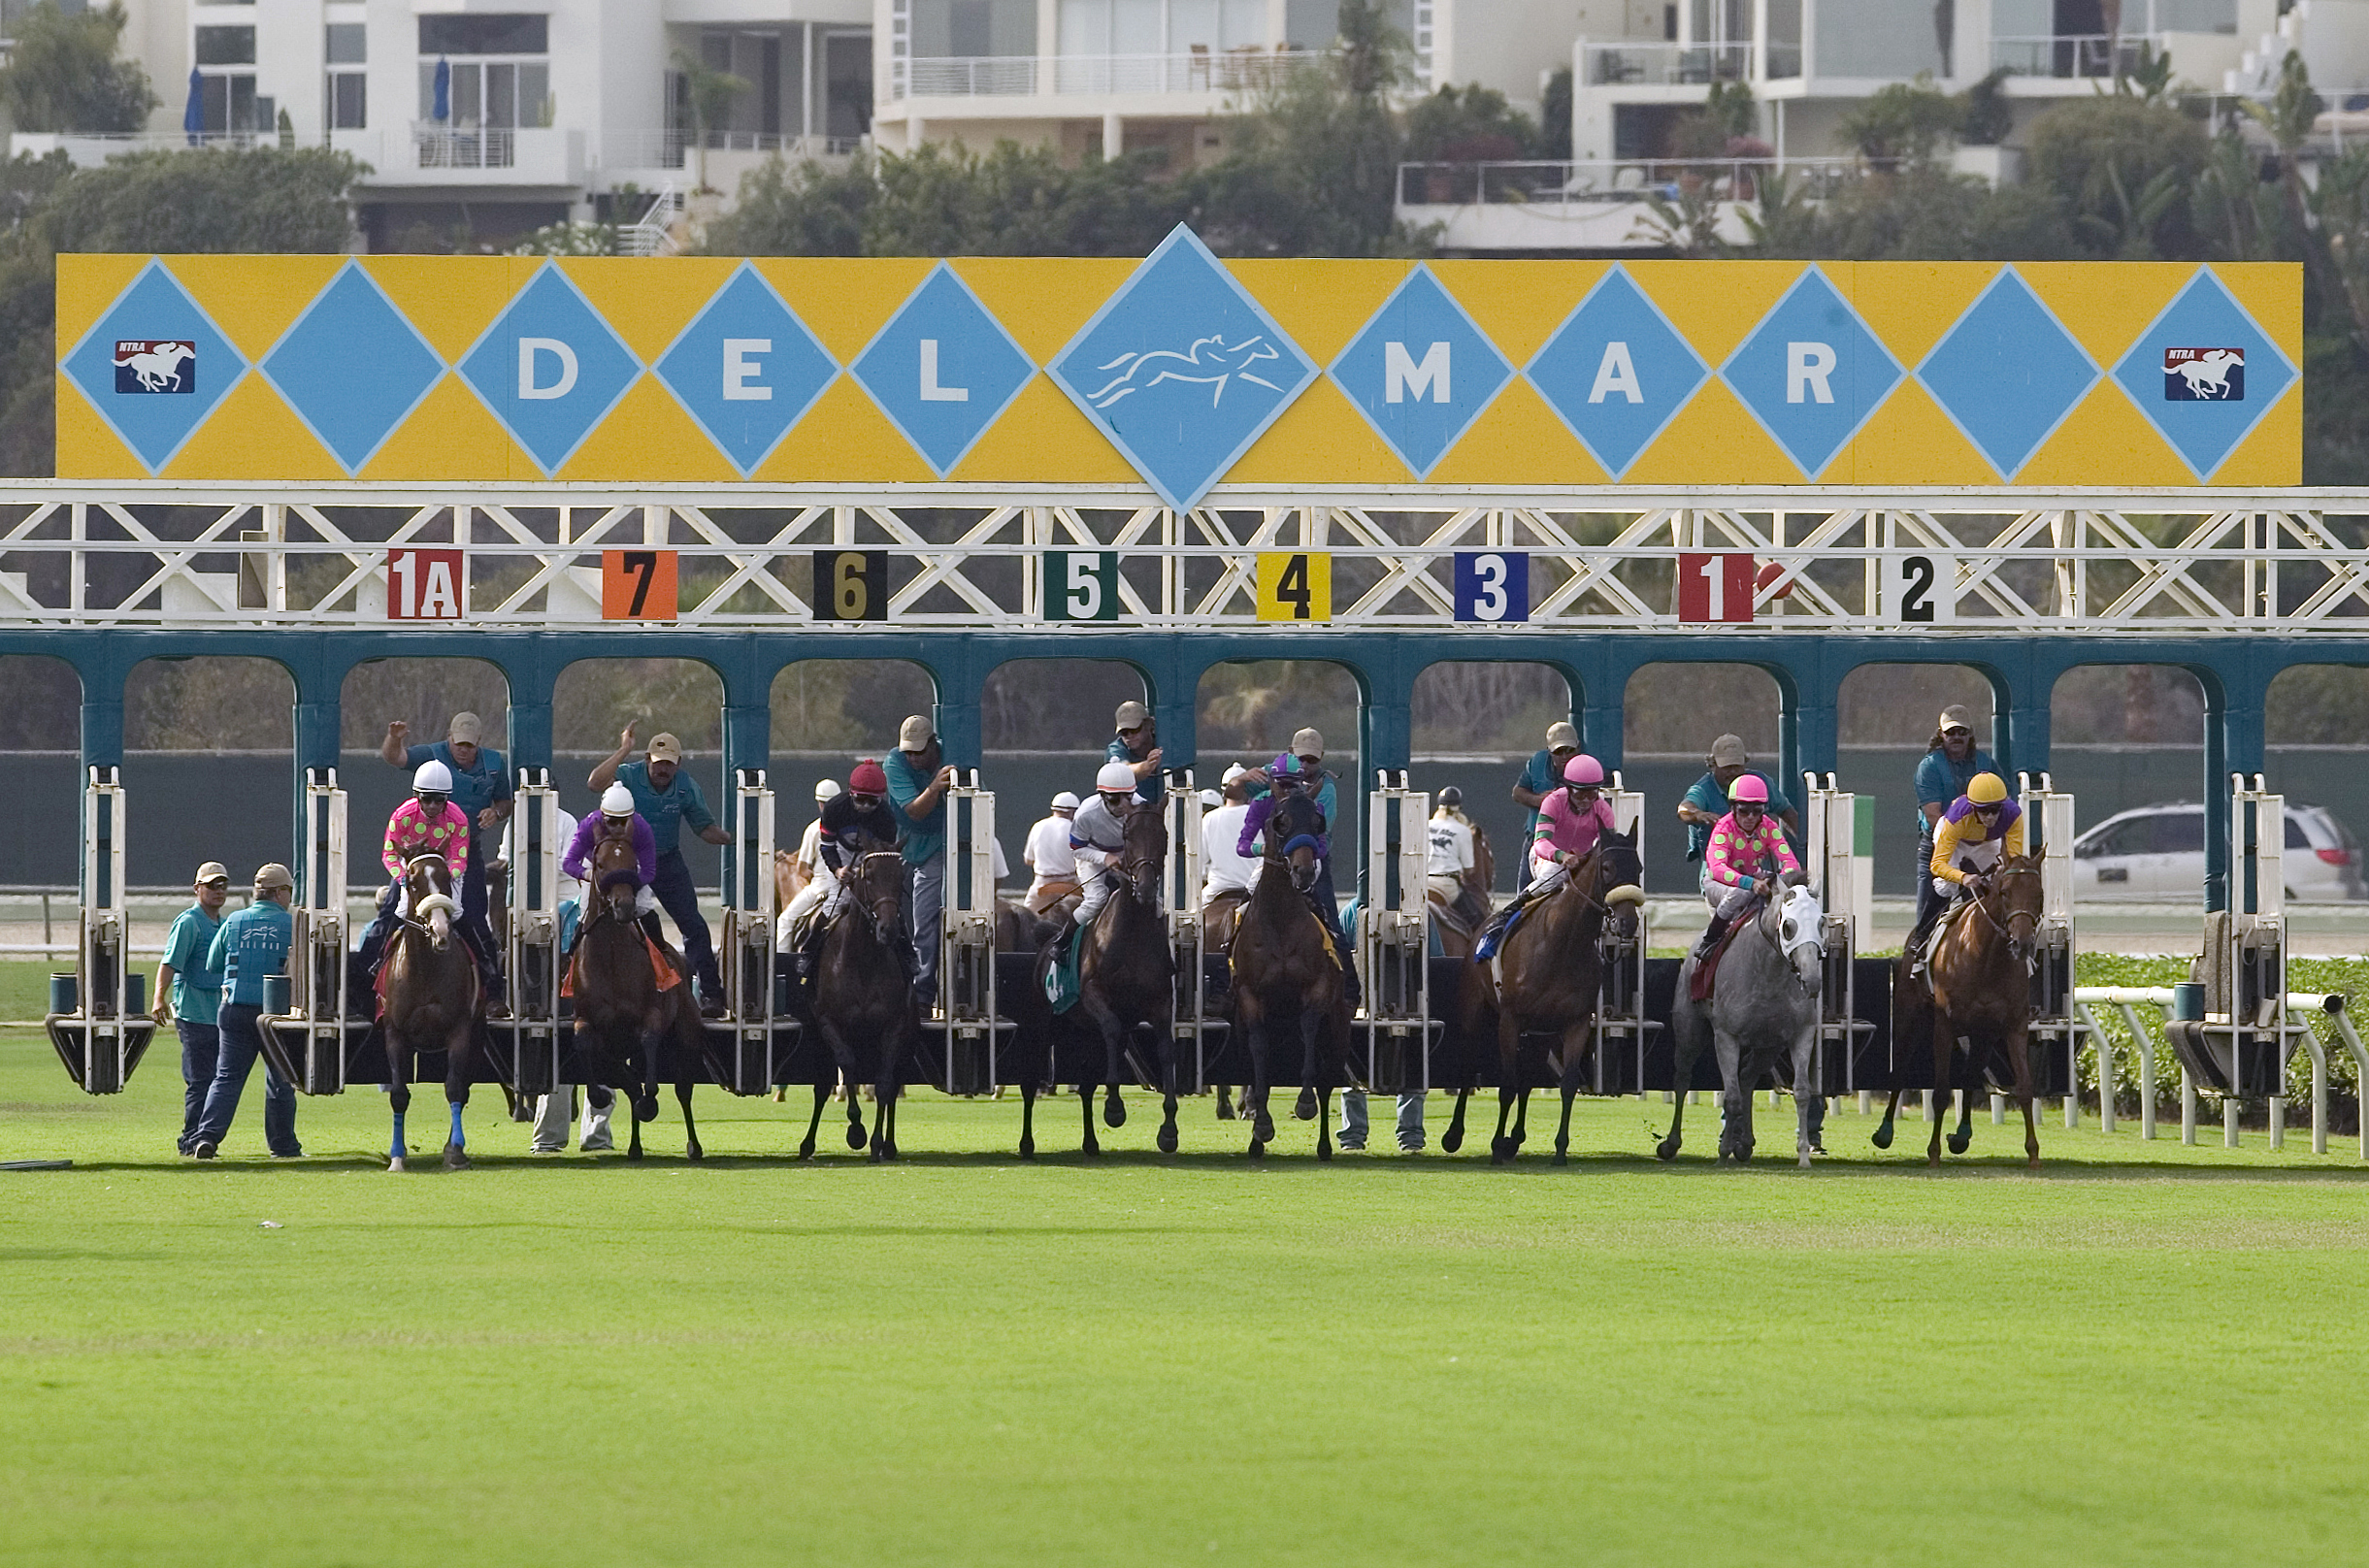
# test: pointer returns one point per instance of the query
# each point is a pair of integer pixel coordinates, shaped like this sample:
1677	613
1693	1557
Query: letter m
1402	376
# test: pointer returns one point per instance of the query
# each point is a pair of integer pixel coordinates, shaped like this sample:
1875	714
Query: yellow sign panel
1295	585
1179	374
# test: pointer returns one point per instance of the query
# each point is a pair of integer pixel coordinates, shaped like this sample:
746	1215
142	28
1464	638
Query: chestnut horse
623	1020
1284	975
433	1001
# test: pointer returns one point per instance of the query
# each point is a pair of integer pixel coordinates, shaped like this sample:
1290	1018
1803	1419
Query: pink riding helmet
1748	788
1583	769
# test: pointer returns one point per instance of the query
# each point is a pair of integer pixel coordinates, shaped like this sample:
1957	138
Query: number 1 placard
637	585
1295	585
1714	588
1082	586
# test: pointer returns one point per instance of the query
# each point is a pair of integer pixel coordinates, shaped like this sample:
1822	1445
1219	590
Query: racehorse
1763	1003
1547	974
432	1001
623	1020
1975	996
1284	973
864	1001
1127	984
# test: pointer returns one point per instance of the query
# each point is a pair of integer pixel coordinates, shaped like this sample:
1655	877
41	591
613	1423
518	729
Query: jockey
1745	855
1569	822
1968	842
428	824
1287	775
1098	836
855	823
617	819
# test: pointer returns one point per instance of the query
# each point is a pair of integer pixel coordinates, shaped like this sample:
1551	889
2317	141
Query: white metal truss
970	557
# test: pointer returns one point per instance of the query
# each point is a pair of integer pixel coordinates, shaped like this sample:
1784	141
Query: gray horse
1765	1003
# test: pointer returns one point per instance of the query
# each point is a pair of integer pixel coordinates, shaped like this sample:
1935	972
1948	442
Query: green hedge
2348	976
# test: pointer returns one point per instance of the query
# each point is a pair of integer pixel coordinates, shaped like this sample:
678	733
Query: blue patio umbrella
193	117
444	89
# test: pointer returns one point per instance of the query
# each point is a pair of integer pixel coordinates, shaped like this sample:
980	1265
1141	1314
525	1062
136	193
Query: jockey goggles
430	801
862	801
1749	808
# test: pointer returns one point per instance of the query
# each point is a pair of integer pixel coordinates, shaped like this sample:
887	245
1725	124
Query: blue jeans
925	887
201	1045
1354	1126
241	1044
678	895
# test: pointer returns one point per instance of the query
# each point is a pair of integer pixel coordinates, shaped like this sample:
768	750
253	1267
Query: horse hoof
1167	1139
855	1134
891	1147
634	1155
805	1149
1805	1161
2032	1162
455	1158
1666	1149
1257	1149
1453	1140
1324	1153
695	1154
1881	1137
1091	1151
876	1156
1304	1109
1957	1143
1114	1112
395	1164
645	1109
1263	1131
1224	1108
1562	1158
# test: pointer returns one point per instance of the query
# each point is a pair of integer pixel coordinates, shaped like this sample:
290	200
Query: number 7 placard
1715	587
637	585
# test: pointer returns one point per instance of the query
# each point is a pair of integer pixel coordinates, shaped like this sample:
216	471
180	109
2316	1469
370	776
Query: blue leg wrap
396	1152
457	1140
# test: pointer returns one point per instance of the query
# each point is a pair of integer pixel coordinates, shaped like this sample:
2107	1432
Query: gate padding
1178	372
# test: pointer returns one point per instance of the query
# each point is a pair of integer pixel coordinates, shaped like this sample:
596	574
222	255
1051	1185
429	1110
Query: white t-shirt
1048	851
1451	847
1223	868
563	825
811	849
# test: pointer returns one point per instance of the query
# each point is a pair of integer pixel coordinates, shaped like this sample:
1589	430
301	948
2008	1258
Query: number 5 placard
1295	585
637	585
1082	586
1921	589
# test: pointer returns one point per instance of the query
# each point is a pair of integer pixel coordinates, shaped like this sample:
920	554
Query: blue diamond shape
153	405
2007	372
352	367
1616	373
1811	373
1182	370
2204	428
943	369
549	368
747	369
1421	371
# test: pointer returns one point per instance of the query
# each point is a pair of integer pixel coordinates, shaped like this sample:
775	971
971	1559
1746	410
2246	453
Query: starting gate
966	1019
752	1045
2054	1036
103	1039
533	1034
1393	939
1620	1001
2240	1046
1830	828
1196	1022
308	1042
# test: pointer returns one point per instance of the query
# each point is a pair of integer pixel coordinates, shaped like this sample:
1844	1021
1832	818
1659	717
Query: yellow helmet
1986	789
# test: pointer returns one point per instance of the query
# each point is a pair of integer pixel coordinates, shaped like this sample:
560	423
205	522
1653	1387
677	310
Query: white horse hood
1802	922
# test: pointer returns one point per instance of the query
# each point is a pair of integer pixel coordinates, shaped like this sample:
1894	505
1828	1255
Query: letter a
1617	373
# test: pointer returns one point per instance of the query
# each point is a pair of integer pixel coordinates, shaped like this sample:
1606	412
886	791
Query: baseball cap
664	748
1131	716
211	871
1234	770
1307	743
828	789
1956	717
1064	801
1561	737
915	733
1211	798
1727	751
465	728
273	875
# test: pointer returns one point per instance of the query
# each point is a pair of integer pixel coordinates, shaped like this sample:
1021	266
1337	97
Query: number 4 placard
1715	587
1295	585
637	585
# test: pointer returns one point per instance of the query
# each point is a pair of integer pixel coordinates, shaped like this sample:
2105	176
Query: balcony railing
670	150
1606	65
1609	181
437	146
1020	76
2070	55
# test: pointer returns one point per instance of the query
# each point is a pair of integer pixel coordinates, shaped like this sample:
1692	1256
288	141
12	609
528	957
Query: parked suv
2156	853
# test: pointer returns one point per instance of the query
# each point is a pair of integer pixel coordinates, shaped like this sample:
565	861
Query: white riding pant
1545	876
1728	903
1100	883
824	892
1980	857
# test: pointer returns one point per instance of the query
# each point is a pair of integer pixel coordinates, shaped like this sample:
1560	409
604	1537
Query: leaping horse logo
1210	362
154	367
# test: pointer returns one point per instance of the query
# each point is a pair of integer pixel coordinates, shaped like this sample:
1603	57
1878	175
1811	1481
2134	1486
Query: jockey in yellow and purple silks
1980	827
1745	854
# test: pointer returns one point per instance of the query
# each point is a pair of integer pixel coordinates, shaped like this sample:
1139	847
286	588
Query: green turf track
2145	1355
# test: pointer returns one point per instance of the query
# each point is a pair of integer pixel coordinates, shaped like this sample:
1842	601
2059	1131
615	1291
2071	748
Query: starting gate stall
103	1038
533	1037
311	1042
1392	940
2240	1046
1620	1001
752	1045
970	1029
2056	1025
1197	1022
1832	837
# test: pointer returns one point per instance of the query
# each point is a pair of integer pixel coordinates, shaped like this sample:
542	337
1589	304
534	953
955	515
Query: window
490	95
2179	833
485	35
225	45
2296	837
345	96
348	43
227	103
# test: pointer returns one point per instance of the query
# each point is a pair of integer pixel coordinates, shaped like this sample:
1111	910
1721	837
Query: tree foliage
1902	121
62	73
2122	169
1469	125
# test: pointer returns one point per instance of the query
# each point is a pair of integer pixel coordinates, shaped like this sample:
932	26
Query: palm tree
710	94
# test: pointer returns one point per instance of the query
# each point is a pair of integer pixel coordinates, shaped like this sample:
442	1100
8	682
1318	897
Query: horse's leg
1167	1093
1574	1039
822	1097
1311	1022
398	1097
1090	1146
895	1089
843	1055
1807	1101
1224	1101
1881	1136
1323	1121
1945	1061
1509	1080
633	1107
459	1053
690	1130
1114	1035
1686	1044
1028	1119
1735	1098
1254	1032
2019	1058
1964	1135
645	1104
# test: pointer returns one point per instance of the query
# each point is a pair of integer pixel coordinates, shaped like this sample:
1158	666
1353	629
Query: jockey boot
1066	929
1711	934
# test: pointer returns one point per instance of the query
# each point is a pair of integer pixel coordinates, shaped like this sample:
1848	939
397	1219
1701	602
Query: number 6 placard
1920	589
850	585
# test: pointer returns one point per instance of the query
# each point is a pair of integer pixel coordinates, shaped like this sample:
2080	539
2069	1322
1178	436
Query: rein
2007	930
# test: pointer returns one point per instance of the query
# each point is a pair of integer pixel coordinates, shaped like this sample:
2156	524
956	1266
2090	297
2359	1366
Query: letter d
528	388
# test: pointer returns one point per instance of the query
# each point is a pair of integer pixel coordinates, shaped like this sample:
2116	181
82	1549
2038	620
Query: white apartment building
1113	76
503	115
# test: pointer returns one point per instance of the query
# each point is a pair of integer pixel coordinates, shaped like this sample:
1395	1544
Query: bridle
410	921
881	932
1983	907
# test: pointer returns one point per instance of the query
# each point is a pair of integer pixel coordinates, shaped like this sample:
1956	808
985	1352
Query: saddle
1332	949
1062	982
662	969
1706	972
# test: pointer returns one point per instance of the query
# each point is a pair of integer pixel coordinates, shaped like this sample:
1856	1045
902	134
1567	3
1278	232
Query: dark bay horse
863	1006
1547	975
1284	976
623	1020
1127	985
1975	998
432	1001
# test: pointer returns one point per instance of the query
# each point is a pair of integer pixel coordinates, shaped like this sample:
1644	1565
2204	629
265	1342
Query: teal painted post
2024	738
1600	733
317	746
1809	739
2233	744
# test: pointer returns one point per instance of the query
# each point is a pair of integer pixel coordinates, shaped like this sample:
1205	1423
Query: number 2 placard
1295	585
637	585
1921	589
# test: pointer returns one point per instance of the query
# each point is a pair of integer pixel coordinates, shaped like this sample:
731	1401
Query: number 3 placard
637	585
1492	586
1295	585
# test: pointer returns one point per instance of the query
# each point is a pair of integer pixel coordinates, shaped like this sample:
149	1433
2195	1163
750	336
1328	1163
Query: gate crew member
1746	855
1708	799
807	863
1979	826
1448	871
481	789
666	798
1947	769
1047	855
918	779
1285	775
426	824
190	994
854	823
249	946
1537	783
1138	746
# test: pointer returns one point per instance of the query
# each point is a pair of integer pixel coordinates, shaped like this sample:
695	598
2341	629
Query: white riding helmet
827	789
1064	801
433	778
617	801
1116	776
